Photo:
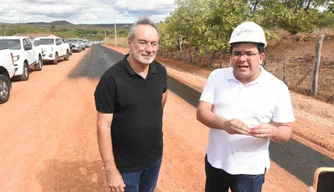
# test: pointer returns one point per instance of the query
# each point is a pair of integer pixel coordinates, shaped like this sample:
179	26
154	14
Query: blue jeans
217	180
142	181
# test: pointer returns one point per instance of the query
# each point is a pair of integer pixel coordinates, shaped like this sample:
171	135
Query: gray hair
142	21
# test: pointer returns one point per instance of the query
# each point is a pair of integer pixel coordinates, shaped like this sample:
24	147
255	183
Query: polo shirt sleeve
208	94
105	95
283	111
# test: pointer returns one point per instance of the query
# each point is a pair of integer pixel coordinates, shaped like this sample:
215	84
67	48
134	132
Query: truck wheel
67	57
39	64
55	61
4	88
25	75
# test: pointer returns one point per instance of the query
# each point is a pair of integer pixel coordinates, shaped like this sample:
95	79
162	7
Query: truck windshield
44	41
72	40
12	44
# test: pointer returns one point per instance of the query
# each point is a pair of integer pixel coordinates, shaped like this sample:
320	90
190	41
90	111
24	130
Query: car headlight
16	57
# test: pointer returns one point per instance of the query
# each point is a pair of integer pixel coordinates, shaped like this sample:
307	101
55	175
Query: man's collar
127	66
259	79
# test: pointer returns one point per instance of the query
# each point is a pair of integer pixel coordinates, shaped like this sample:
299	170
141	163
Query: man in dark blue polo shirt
129	98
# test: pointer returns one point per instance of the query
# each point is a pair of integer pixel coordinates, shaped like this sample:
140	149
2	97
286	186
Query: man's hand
115	181
236	126
264	131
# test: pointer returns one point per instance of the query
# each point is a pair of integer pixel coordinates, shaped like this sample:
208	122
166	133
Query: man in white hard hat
245	107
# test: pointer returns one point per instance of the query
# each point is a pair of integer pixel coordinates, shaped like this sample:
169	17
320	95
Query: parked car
82	44
70	43
54	48
7	70
87	43
25	54
75	44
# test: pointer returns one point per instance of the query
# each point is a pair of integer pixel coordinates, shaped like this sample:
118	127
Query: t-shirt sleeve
208	93
105	95
283	111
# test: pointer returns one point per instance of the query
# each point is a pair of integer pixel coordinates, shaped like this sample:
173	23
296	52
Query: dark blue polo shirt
135	102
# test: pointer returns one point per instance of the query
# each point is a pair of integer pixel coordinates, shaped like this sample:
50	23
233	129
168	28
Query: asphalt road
294	157
96	62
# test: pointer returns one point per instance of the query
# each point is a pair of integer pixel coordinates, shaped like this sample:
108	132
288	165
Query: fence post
316	65
284	70
180	41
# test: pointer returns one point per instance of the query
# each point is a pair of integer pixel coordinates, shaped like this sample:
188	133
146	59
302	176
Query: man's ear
263	56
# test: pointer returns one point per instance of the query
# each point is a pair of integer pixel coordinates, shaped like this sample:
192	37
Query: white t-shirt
265	100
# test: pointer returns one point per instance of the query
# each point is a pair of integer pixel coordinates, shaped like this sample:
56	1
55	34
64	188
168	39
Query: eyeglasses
237	54
154	45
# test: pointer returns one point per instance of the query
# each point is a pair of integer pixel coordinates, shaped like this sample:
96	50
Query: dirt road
48	135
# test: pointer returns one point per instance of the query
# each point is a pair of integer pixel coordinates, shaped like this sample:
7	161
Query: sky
84	11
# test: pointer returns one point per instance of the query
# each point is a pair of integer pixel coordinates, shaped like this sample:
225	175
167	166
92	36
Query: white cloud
140	5
84	11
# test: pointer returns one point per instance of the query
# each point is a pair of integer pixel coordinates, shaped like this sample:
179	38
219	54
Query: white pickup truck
54	48
25	54
6	73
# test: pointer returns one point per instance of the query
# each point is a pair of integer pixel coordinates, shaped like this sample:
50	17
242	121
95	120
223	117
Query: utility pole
115	30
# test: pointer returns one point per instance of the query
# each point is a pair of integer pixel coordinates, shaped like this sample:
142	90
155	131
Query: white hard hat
248	32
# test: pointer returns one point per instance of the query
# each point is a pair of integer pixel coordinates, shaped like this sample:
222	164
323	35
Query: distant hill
54	23
118	25
121	25
68	24
61	23
65	29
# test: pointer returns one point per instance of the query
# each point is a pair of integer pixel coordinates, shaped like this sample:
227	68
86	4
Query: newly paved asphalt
96	62
296	158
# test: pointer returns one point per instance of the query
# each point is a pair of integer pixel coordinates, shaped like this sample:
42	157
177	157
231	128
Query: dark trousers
217	180
142	181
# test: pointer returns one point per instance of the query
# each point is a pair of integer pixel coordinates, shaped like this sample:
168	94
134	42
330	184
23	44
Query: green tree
219	21
187	18
185	22
326	20
167	37
206	24
53	28
293	16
